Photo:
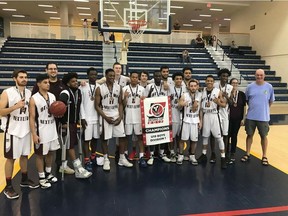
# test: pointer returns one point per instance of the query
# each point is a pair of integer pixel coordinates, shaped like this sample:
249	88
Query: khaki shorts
262	127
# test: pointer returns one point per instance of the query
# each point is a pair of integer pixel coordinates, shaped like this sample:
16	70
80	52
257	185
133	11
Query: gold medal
92	98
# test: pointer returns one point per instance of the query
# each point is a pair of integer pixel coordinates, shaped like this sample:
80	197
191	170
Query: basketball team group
109	108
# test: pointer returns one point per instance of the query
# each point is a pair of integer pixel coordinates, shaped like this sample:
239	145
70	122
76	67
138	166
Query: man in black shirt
94	27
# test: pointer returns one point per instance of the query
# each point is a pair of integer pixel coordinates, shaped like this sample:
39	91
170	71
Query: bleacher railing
76	32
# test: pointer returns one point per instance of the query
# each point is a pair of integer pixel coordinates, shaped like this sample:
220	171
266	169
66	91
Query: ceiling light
3	3
160	23
83	8
8	9
216	9
84	14
49	6
180	7
116	3
162	18
207	27
109	21
187	24
144	5
108	9
108	15
81	0
51	12
170	13
55	18
205	15
227	19
195	20
15	15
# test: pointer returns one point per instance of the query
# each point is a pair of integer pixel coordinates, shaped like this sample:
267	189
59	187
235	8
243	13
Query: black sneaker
213	157
29	183
202	159
10	193
223	163
142	162
228	160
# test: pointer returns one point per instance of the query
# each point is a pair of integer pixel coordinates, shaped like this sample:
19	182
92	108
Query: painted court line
244	212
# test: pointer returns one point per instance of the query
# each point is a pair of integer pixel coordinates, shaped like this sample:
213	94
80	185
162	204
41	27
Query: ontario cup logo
156	112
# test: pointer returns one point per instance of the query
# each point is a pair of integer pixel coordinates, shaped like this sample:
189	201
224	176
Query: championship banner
156	120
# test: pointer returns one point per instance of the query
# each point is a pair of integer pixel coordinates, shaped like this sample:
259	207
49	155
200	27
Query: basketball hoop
137	28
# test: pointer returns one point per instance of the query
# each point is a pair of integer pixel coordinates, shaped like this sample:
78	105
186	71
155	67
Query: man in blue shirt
259	96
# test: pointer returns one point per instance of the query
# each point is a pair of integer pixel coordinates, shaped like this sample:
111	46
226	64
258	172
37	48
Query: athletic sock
48	169
126	152
141	154
222	155
41	175
161	151
8	181
24	176
204	151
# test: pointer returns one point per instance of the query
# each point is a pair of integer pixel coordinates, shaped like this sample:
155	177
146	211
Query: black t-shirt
94	24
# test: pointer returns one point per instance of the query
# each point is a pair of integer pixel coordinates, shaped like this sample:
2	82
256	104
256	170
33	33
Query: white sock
48	169
204	151
41	175
161	151
222	155
141	154
151	153
126	152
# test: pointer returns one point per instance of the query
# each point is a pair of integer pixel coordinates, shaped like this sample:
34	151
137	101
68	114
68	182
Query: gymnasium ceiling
191	10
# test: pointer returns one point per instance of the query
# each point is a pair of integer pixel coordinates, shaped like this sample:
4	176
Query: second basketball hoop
137	28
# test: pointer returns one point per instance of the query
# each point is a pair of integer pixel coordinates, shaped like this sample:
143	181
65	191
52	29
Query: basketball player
226	90
210	101
144	77
132	95
192	123
42	121
187	72
90	119
56	86
109	104
72	97
15	123
157	90
176	91
166	80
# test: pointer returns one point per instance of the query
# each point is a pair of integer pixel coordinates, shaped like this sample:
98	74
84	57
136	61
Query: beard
22	83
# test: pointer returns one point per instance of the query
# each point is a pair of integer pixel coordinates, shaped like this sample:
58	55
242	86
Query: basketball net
137	28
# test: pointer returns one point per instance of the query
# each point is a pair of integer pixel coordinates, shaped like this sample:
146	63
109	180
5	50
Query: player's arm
181	102
32	123
120	109
83	114
220	101
200	118
101	81
125	97
4	109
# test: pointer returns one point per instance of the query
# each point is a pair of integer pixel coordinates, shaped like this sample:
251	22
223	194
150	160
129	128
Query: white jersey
17	122
175	94
109	102
224	111
153	90
132	110
189	115
87	108
45	122
207	103
122	81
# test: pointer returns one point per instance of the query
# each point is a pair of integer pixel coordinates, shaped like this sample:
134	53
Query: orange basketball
57	108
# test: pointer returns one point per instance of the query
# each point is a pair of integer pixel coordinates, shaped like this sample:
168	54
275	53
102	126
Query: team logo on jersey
156	112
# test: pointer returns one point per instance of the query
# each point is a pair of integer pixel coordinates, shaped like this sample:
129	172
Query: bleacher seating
33	54
247	62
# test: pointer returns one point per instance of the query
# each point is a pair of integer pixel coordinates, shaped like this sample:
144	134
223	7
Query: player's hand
200	125
20	104
83	123
36	139
165	86
110	120
142	97
242	123
117	121
216	100
82	83
126	94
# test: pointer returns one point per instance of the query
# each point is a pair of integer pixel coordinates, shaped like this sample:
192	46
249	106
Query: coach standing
259	96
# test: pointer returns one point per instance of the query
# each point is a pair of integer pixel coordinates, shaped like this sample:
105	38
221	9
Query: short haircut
223	70
164	67
187	68
232	80
68	76
17	71
90	69
156	71
134	72
209	76
116	63
177	74
108	70
47	65
41	77
145	72
193	80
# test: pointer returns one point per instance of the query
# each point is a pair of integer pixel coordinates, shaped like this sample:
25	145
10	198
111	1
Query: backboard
114	15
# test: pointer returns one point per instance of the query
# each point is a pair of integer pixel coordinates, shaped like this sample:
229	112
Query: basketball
57	108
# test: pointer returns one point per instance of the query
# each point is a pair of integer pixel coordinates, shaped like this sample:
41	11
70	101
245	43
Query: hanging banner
156	120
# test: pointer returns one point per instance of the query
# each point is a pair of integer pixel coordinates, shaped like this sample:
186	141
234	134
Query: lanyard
92	91
21	96
176	92
47	101
235	97
157	90
133	94
220	87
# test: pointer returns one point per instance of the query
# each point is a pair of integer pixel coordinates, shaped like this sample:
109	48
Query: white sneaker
180	159
173	158
80	172
150	161
67	170
106	165
125	162
165	158
51	178
193	160
44	183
